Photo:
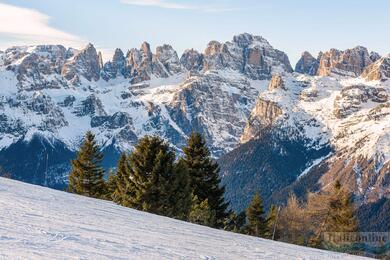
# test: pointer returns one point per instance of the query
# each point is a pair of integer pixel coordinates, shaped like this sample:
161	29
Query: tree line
152	179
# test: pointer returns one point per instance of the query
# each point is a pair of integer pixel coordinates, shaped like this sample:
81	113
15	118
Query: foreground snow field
40	223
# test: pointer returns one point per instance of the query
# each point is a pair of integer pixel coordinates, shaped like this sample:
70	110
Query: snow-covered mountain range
232	92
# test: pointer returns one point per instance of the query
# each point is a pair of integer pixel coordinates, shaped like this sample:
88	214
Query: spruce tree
235	222
204	176
180	192
151	167
110	185
257	225
120	192
86	177
341	215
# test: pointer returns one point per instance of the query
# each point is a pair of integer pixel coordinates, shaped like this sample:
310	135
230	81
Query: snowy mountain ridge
230	93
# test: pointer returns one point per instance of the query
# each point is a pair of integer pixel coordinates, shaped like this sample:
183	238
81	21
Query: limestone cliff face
263	116
251	55
350	62
380	70
276	83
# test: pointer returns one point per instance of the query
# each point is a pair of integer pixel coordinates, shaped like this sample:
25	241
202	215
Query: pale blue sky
289	25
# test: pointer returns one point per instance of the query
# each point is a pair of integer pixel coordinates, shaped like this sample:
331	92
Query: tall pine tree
151	168
204	177
180	194
257	224
86	177
120	193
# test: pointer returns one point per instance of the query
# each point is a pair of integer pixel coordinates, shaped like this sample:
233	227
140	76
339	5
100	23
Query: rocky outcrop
192	60
85	63
117	66
307	64
276	83
39	63
374	56
251	55
195	106
353	97
91	106
167	56
263	116
380	70
143	63
140	62
350	62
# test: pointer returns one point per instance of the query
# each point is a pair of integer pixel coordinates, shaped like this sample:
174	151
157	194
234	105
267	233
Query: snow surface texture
40	223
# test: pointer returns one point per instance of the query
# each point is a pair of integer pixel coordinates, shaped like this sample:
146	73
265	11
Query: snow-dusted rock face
192	60
350	62
251	55
380	70
116	67
349	114
307	64
85	63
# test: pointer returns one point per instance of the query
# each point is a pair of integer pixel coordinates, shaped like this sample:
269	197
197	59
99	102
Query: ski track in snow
40	223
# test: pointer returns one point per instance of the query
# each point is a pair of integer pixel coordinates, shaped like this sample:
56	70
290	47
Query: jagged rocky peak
350	62
85	63
379	70
251	55
140	62
276	83
192	60
169	58
117	66
244	40
36	63
307	64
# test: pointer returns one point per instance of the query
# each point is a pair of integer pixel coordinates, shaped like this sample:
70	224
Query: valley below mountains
271	127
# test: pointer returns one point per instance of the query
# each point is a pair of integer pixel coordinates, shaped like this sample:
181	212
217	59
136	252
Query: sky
292	26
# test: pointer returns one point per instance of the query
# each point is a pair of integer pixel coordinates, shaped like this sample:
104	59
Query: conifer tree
201	212
257	225
86	177
180	192
120	192
341	216
204	176
236	222
151	172
110	185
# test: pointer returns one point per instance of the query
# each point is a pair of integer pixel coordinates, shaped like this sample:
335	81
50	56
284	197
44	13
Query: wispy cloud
28	27
174	5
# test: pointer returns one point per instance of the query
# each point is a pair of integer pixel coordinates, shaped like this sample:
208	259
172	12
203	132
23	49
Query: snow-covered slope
40	223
